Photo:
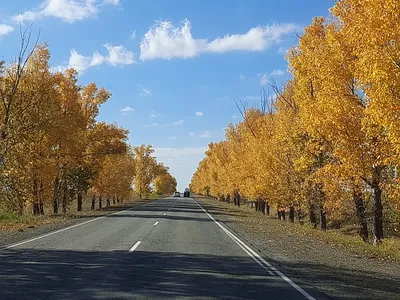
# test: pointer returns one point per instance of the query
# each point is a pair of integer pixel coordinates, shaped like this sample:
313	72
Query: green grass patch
10	218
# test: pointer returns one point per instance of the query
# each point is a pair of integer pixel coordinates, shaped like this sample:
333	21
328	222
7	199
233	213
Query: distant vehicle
177	194
186	193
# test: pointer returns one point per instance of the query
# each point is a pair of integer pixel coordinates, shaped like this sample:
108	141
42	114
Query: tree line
328	146
53	151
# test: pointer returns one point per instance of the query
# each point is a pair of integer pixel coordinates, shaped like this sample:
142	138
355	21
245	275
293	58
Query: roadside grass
15	222
345	237
388	250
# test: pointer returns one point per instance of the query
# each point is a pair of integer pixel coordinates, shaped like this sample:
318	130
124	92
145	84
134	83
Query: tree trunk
300	216
236	198
35	208
41	204
283	215
279	215
114	201
108	202
35	204
291	214
313	218
378	216
55	196
228	198
263	207
93	202
100	202
323	218
79	201
41	207
267	208
64	199
360	210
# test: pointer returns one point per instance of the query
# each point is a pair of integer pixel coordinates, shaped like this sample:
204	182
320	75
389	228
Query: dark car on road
186	193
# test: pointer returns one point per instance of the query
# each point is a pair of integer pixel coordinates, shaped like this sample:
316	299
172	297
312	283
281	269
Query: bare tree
8	90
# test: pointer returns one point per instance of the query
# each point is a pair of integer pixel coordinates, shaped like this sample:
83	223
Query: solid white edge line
258	258
135	246
67	228
156	223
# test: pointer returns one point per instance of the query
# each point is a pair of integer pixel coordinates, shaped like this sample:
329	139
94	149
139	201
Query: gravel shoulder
11	236
332	269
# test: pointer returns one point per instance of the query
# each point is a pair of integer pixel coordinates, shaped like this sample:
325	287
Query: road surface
167	249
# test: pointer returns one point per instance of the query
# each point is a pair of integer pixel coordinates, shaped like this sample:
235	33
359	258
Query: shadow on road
37	274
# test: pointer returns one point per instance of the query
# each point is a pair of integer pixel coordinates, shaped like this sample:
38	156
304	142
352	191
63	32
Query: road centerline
156	223
135	246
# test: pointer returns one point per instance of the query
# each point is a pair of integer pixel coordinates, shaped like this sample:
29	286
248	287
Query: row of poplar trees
53	151
329	145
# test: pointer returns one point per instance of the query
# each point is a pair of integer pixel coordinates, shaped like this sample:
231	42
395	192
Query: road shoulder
8	237
333	270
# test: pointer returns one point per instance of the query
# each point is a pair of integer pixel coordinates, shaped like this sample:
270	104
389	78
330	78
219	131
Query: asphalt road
166	249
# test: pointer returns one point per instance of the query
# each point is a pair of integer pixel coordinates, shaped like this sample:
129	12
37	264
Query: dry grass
13	221
345	237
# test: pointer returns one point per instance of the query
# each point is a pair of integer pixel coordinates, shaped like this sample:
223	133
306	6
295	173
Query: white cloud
234	116
181	161
176	123
155	114
69	11
117	56
173	124
57	69
79	62
172	138
199	114
264	79
97	59
283	50
5	29
127	109
191	133
111	2
144	92
166	41
179	152
133	35
26	16
206	134
163	40
277	72
241	77
256	39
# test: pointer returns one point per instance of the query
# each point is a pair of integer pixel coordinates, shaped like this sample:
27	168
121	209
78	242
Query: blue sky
174	67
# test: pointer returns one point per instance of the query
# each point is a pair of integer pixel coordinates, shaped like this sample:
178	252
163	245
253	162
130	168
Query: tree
145	166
